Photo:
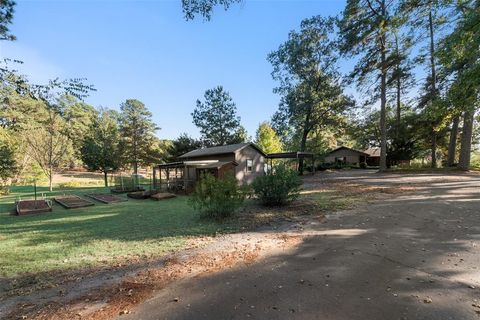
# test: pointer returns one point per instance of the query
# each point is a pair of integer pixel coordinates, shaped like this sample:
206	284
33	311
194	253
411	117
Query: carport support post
154	178
160	178
185	178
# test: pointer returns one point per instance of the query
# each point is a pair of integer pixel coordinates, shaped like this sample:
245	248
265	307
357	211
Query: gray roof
373	152
231	148
347	148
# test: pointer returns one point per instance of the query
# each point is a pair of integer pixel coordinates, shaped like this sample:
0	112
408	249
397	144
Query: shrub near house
277	187
217	198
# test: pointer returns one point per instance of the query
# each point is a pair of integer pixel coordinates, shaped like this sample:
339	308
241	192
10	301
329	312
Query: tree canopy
217	118
266	139
137	130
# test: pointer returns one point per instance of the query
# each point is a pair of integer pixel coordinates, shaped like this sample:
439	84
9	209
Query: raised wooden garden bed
33	206
141	194
105	197
126	190
162	195
71	202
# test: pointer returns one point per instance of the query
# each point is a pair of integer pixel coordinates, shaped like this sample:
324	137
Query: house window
249	165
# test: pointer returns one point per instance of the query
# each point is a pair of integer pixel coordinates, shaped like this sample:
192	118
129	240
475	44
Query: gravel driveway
405	256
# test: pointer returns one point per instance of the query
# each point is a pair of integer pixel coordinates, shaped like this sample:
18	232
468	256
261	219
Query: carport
297	156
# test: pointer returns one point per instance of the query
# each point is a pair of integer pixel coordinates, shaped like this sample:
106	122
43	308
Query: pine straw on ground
115	300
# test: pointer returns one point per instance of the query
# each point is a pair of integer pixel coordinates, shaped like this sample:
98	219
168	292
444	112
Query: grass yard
104	234
37	247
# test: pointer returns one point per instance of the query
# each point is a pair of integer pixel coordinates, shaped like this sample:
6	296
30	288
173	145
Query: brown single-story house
373	158
345	155
249	158
245	161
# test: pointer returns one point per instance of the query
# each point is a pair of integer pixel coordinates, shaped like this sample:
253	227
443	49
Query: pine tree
217	118
138	132
366	31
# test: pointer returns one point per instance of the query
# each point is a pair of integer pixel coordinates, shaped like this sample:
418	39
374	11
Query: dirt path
410	256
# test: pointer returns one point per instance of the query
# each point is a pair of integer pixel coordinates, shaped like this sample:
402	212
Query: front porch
181	176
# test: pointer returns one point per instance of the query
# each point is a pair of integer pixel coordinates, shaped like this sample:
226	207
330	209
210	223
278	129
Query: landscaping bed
33	206
71	202
126	190
141	194
105	197
162	195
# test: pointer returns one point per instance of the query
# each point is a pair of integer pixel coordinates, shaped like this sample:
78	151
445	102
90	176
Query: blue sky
146	50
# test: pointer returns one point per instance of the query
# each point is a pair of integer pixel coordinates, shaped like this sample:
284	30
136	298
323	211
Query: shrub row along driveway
408	255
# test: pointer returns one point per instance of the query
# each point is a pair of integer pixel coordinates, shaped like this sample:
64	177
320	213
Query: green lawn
104	234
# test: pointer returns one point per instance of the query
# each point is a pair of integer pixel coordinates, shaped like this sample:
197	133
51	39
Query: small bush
277	187
217	198
475	162
363	165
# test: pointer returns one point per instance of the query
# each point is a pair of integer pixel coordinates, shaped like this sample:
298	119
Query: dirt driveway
405	256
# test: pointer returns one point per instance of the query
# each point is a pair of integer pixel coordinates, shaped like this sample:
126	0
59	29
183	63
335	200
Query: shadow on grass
75	238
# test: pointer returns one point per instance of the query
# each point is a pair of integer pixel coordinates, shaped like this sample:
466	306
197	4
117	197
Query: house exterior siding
258	164
346	155
241	156
192	172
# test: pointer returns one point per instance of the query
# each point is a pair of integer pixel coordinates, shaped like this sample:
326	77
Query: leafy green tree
138	132
311	95
365	31
405	141
183	144
79	117
426	17
8	165
48	145
7	9
267	139
217	118
400	76
240	136
101	149
452	145
204	8
460	57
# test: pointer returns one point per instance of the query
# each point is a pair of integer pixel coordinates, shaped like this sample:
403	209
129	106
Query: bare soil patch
141	194
105	197
70	202
33	206
113	300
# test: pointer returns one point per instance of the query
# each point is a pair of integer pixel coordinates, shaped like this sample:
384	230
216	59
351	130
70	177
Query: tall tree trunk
433	76
105	178
452	144
466	140
383	99
303	142
434	148
50	160
50	179
399	90
399	107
